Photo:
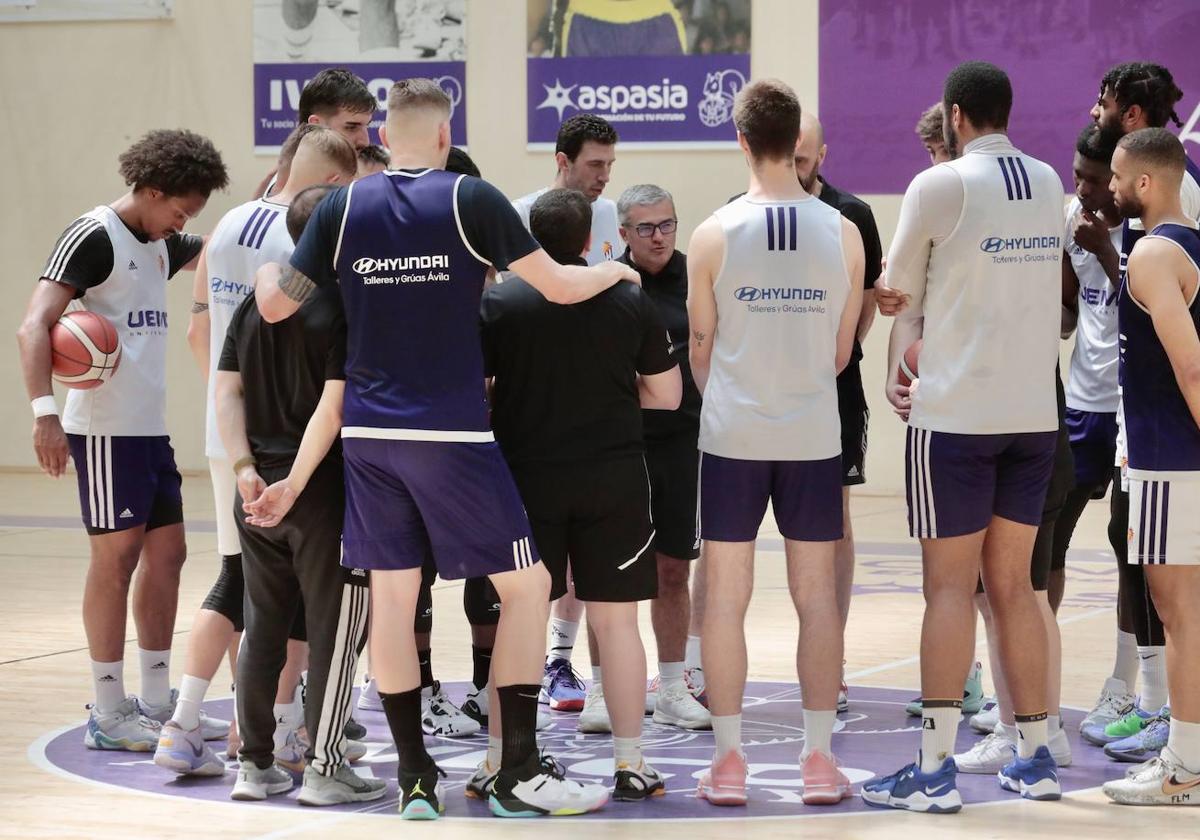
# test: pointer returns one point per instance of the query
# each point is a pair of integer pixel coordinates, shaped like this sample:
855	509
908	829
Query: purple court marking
879	738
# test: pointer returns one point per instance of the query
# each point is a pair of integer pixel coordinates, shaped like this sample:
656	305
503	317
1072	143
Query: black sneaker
354	730
634	785
421	794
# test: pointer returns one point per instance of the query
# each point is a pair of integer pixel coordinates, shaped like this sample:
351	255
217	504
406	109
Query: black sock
481	659
425	660
518	714
403	712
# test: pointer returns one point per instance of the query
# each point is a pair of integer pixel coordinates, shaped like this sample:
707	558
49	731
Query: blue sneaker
562	688
1132	723
911	790
1144	745
1035	777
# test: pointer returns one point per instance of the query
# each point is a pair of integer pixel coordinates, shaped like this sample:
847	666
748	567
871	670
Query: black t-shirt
82	257
489	222
284	367
668	290
566	376
859	212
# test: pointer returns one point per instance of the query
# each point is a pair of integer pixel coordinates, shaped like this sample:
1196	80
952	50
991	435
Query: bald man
852	402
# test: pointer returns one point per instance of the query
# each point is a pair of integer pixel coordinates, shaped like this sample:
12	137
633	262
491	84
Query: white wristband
43	406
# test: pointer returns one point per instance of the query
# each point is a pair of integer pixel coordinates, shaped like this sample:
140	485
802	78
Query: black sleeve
313	256
655	354
229	355
83	256
335	361
182	248
488	309
862	217
492	226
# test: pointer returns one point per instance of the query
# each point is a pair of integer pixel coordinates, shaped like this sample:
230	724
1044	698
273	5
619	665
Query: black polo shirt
566	376
859	212
284	367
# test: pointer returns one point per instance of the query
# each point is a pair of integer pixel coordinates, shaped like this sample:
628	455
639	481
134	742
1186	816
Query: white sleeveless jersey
781	291
1092	380
247	237
606	236
134	298
992	301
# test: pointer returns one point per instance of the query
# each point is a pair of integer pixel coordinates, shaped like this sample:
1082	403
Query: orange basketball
85	350
908	363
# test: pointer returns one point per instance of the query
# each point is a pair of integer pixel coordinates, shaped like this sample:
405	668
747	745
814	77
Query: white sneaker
989	755
368	698
544	791
1115	702
124	728
255	785
675	706
543	721
439	716
594	717
185	753
479	786
211	728
291	754
343	786
475	706
1160	781
985	720
1060	748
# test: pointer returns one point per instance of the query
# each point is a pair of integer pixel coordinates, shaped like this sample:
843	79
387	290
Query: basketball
908	363
85	350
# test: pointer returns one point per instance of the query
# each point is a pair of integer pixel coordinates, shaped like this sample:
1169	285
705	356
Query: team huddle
410	376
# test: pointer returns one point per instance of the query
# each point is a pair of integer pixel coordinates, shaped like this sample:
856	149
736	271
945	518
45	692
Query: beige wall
76	95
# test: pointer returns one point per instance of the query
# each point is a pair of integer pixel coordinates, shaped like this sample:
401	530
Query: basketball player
567	385
334	98
116	259
648	228
246	237
929	129
1133	96
585	150
852	401
760	442
981	438
1160	361
422	467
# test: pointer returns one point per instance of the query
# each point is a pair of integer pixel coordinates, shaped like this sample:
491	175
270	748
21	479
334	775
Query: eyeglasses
645	230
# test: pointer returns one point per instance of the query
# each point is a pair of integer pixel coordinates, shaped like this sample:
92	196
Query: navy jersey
1161	434
1189	198
410	250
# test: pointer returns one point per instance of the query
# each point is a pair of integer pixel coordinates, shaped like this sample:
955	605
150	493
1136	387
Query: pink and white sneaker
725	782
824	783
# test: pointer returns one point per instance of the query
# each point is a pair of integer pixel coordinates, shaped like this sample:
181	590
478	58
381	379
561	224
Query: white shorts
224	484
1163	526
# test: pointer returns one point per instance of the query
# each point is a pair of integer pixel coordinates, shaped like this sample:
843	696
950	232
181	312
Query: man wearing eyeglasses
648	228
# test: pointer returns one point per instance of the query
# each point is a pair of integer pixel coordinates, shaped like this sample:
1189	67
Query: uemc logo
370	265
996	244
750	294
146	318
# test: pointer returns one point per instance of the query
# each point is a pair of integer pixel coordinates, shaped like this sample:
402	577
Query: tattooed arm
279	291
706	252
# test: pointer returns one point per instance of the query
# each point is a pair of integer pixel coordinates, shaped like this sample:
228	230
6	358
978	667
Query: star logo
558	97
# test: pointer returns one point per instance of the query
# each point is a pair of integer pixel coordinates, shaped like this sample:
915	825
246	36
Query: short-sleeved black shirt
566	376
284	367
668	290
859	212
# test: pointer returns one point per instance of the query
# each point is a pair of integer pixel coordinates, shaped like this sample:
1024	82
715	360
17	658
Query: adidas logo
358	573
107	678
125	514
132	265
853	473
157	666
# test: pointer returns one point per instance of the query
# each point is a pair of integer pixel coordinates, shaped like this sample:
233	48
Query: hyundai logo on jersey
995	244
749	294
371	265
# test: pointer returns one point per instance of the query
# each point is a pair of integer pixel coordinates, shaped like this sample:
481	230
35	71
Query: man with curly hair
115	260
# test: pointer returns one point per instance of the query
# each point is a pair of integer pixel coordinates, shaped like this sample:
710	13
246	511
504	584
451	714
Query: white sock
1053	724
1125	666
288	718
670	673
191	695
562	639
939	726
1184	742
727	732
818	732
1152	664
691	658
108	678
1007	731
596	674
1031	734
495	751
156	676
627	751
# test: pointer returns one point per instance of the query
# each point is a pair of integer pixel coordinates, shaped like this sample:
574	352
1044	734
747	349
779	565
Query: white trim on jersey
337	249
69	243
462	234
401	172
430	435
1189	259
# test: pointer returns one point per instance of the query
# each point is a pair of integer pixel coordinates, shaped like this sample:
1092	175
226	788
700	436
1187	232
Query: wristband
244	461
44	406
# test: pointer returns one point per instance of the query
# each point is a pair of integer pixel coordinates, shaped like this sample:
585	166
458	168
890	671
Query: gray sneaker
254	784
343	786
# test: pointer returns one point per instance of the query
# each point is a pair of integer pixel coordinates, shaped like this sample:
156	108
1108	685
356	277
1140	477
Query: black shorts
673	464
597	514
854	414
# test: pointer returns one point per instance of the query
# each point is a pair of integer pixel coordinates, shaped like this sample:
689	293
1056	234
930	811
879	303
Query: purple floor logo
878	737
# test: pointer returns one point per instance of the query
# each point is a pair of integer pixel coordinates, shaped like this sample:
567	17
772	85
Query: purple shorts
805	495
956	483
589	37
126	482
1094	445
407	500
